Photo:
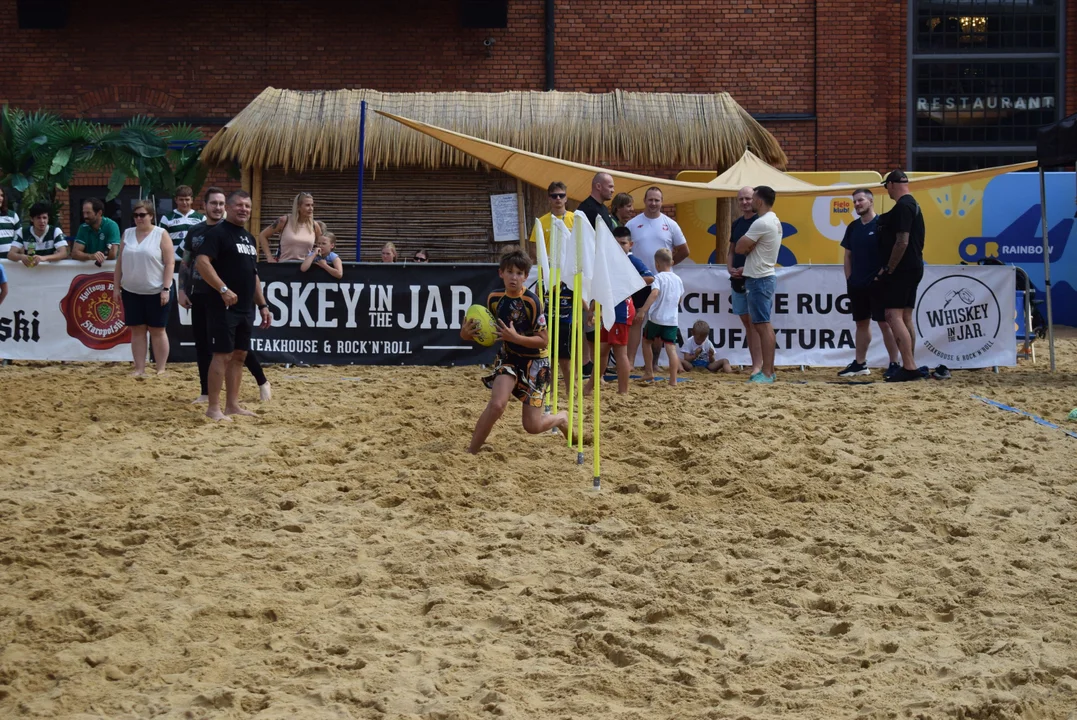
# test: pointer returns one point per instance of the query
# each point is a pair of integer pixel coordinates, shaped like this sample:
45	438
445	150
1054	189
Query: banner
995	217
377	314
964	316
387	314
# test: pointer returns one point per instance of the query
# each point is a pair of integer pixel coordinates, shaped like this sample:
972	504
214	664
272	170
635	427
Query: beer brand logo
958	318
93	317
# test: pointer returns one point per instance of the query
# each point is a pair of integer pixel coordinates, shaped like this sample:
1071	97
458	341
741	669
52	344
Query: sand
798	551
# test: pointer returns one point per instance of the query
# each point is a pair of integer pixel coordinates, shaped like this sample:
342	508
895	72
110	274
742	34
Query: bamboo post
256	199
245	183
723	222
521	214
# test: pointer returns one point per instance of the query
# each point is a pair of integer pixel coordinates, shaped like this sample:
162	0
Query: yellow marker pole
597	482
578	369
555	293
573	349
543	309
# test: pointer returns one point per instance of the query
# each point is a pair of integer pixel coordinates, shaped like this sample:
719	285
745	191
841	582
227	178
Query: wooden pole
256	200
521	214
723	222
245	183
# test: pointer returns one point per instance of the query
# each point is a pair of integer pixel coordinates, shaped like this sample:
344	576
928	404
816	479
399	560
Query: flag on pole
614	277
540	253
579	253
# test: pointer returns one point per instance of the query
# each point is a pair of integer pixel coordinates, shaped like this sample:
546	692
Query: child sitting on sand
662	322
322	256
522	366
698	351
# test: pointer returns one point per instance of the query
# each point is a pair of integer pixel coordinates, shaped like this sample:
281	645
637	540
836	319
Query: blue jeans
760	297
740	303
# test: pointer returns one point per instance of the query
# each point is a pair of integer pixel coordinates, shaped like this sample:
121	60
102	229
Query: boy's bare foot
673	382
217	415
648	377
562	422
265	392
162	372
239	411
138	373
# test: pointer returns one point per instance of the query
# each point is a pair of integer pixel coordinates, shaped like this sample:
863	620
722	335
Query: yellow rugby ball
487	332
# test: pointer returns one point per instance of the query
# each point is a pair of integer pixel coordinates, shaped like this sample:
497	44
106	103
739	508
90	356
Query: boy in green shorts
661	324
522	366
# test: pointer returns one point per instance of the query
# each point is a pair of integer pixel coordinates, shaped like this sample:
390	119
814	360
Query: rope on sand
1035	418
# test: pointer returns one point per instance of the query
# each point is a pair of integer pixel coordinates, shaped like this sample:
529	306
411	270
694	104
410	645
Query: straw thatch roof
300	130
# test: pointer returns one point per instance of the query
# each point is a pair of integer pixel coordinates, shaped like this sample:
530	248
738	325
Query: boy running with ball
522	366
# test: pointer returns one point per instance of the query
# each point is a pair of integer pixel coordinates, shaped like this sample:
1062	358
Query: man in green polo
98	238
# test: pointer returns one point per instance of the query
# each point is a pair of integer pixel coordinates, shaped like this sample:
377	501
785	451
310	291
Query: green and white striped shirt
8	225
177	224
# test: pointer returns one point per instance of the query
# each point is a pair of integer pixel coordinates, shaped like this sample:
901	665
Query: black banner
377	314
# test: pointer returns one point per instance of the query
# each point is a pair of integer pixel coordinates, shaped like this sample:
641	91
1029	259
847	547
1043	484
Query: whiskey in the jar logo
93	317
958	318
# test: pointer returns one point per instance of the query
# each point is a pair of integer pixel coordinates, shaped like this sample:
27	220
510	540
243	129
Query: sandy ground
805	550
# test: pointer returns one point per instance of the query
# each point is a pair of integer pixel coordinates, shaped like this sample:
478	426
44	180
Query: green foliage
41	152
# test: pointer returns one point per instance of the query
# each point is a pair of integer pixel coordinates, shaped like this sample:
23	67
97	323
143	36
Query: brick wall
842	63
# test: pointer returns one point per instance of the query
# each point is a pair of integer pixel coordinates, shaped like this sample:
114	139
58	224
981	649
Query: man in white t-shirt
761	244
653	230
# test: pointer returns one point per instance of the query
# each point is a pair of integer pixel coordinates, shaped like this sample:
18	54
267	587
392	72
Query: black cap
896	176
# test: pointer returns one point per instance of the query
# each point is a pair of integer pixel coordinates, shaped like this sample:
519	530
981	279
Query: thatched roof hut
422	193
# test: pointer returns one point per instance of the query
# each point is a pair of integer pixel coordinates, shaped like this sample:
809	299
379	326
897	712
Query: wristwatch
263	306
224	289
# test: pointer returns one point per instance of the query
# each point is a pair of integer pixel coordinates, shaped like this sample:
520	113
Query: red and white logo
93	317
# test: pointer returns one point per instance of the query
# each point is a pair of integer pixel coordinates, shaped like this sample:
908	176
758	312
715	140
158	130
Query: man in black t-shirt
901	250
601	193
735	265
228	263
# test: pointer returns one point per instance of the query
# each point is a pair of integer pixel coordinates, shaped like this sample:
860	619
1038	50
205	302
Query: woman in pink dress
298	231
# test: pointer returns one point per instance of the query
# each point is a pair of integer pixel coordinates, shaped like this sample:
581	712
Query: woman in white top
298	232
143	282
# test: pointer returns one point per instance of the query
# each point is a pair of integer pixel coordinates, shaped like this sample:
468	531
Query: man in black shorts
901	248
228	263
862	262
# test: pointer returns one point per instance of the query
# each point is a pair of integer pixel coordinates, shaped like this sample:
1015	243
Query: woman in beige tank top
298	231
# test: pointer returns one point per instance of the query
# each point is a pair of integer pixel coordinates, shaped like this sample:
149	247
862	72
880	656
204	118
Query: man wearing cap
901	249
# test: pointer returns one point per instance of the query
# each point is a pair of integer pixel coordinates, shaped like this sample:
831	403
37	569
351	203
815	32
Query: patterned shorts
532	376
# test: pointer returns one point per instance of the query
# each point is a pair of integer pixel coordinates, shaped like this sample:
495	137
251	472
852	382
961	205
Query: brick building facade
828	78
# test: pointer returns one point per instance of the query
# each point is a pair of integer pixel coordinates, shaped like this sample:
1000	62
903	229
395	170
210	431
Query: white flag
615	278
540	253
559	235
579	253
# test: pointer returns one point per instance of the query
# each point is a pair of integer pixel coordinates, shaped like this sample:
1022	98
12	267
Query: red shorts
618	334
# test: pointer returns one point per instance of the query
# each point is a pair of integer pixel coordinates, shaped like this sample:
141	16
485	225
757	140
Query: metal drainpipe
549	45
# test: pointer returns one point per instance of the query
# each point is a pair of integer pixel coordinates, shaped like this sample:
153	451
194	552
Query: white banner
964	316
62	311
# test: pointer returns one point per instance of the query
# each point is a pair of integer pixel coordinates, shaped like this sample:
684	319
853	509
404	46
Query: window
984	76
960	163
986	26
986	102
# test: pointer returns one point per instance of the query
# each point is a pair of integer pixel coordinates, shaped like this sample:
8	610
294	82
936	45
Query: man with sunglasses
558	194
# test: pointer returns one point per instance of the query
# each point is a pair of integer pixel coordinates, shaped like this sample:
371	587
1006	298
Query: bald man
595	205
735	265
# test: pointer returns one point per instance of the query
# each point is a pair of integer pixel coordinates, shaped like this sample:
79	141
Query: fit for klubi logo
93	317
958	318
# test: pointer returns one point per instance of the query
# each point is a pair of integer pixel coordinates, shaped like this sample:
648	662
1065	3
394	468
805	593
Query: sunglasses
420	259
558	196
140	215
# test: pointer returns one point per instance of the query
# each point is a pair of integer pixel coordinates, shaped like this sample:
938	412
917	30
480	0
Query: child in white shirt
698	351
661	324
